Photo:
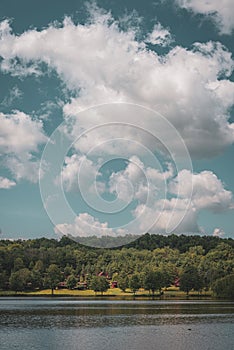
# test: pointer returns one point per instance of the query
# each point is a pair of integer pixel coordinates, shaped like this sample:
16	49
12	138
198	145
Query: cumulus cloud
218	232
5	183
19	133
208	191
100	63
171	216
20	137
139	182
180	213
85	225
171	203
220	12
187	86
159	36
136	181
73	180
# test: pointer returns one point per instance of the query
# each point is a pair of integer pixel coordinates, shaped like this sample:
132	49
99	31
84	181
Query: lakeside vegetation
173	266
117	293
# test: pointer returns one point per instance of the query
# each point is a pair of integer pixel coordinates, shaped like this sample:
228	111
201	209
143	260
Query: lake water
40	324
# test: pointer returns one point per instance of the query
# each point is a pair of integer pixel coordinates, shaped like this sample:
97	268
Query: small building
103	274
114	284
177	282
62	285
81	286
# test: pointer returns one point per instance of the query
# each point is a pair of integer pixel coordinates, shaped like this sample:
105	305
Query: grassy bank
114	293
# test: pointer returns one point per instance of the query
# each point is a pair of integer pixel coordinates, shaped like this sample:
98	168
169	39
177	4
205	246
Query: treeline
152	262
151	242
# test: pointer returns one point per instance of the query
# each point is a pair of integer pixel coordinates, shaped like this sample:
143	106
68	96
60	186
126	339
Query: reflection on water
94	324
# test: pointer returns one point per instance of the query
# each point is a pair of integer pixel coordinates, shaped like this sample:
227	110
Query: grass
81	293
115	292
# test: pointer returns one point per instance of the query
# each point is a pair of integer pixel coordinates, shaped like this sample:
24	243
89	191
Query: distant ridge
147	242
105	241
153	241
180	242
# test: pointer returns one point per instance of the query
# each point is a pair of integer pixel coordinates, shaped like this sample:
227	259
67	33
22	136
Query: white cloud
135	182
19	133
85	225
139	182
25	167
72	179
220	11
189	194
104	64
6	183
208	191
20	137
181	213
125	183
101	63
159	36
175	215
218	232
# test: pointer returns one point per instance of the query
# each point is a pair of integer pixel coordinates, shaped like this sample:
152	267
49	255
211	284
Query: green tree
18	264
38	266
19	280
224	287
3	280
71	282
67	271
99	284
53	277
134	283
153	281
123	282
191	279
36	279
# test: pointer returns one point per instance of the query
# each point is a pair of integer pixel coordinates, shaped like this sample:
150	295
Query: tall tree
224	287
18	264
153	281
71	282
134	283
191	279
53	277
123	282
18	280
99	284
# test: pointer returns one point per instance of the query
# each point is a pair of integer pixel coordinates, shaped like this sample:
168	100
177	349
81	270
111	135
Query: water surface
52	323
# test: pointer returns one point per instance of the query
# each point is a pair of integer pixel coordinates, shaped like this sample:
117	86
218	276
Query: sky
116	117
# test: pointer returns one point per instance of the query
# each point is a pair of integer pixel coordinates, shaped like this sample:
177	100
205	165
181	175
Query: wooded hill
198	262
152	241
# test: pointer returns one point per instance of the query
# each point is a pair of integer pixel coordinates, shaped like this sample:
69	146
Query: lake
52	323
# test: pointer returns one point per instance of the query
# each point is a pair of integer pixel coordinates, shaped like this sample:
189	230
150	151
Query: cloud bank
178	208
100	63
190	87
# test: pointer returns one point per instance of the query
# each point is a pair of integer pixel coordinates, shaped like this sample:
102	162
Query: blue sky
160	73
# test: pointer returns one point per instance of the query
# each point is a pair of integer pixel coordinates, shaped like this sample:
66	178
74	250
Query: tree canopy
152	262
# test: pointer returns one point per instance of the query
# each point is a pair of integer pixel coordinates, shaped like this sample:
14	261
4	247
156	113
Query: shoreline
110	294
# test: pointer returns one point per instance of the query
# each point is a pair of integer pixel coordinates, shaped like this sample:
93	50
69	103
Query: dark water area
52	323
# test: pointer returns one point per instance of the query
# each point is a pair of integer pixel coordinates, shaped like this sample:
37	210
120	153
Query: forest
152	263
